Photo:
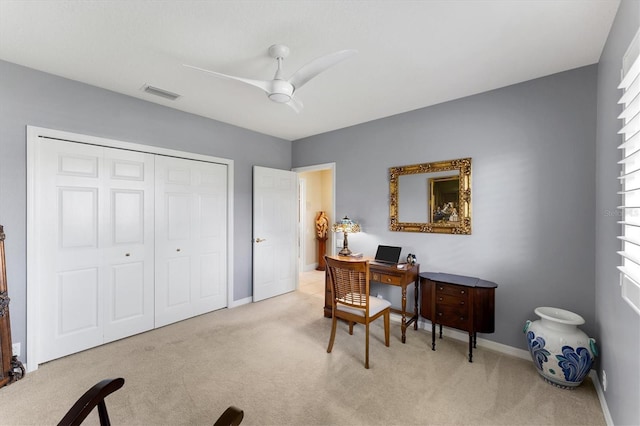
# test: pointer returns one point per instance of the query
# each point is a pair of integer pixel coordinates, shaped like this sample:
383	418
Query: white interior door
275	227
98	209
191	239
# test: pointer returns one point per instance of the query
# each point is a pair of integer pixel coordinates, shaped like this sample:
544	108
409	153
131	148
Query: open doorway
316	194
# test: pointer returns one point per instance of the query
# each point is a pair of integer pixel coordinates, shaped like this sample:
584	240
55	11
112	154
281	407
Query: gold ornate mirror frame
434	223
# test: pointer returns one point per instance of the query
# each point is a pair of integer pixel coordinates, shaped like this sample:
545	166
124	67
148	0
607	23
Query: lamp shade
346	225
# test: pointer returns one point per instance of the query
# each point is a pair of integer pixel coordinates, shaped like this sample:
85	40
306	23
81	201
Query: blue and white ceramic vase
562	353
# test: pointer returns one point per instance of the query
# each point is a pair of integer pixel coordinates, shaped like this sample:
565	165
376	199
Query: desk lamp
345	226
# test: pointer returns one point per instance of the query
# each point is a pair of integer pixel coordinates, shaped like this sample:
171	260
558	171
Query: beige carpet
269	358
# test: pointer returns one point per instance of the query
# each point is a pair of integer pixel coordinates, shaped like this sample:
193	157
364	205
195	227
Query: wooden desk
456	301
390	275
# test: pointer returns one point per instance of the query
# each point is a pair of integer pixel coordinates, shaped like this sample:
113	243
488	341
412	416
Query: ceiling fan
281	89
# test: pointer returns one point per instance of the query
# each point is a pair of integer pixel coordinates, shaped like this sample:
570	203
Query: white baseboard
603	401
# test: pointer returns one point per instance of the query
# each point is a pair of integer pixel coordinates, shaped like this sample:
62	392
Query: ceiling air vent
160	92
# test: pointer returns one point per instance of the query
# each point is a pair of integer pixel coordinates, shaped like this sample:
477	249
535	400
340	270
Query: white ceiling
412	54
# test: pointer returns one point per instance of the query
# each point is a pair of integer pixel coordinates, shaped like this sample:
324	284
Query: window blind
630	175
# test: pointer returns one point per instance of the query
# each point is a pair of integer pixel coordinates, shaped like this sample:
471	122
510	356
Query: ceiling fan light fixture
281	98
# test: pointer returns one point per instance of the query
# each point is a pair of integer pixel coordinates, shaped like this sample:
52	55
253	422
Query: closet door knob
177	249
127	254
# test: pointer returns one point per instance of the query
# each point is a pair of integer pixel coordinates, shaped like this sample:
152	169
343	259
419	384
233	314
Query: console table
457	301
386	274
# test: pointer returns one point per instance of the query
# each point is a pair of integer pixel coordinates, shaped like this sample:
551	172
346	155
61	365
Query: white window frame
630	175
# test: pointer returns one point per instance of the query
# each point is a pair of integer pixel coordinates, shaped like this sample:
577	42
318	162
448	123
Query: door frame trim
33	135
317	168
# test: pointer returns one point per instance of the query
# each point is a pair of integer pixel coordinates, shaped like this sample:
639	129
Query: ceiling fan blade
295	104
318	65
261	84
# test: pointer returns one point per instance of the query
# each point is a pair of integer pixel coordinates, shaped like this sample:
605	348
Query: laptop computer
387	254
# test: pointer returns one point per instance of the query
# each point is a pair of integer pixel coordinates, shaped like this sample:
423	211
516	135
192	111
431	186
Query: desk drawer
387	279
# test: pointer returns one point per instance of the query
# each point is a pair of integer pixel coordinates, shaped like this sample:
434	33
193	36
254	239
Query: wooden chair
351	301
232	416
87	402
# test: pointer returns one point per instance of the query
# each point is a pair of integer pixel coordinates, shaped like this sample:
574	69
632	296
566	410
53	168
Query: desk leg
404	315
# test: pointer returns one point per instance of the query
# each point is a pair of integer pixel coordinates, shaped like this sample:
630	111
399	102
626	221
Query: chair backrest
349	282
92	398
232	416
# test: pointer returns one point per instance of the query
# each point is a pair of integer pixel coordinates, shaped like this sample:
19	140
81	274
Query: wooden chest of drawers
452	306
460	302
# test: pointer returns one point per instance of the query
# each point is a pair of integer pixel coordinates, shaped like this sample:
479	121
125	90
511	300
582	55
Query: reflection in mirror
431	197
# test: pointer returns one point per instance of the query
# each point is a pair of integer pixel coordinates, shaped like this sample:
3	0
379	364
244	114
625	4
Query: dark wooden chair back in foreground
232	416
92	398
95	396
351	301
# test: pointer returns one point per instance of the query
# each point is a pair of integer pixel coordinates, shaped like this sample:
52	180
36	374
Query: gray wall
29	97
533	191
618	327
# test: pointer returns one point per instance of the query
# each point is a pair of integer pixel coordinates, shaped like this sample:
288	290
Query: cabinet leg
471	347
415	304
441	331
404	314
433	336
475	339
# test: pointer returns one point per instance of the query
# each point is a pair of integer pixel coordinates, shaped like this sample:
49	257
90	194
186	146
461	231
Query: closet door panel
210	224
191	208
68	194
78	302
95	245
173	244
128	243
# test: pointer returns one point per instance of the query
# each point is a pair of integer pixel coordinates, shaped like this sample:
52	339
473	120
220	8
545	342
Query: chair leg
334	324
102	414
386	328
366	357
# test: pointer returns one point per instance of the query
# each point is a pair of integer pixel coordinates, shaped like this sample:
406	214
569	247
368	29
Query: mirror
431	197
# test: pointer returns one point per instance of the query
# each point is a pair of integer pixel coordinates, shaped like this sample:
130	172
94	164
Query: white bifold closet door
95	245
191	240
126	242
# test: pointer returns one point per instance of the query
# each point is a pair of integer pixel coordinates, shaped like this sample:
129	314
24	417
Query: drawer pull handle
439	314
441	288
388	280
440	299
461	291
461	318
462	302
